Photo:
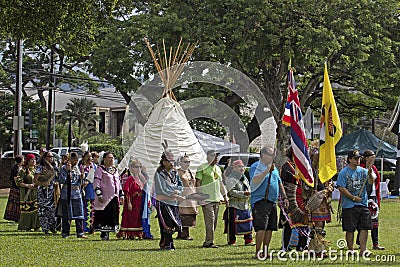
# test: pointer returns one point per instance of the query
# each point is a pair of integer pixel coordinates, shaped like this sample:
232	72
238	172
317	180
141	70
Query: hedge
117	150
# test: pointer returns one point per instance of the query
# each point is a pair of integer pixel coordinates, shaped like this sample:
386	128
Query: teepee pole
170	66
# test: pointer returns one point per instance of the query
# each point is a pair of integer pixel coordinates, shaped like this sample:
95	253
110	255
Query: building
110	106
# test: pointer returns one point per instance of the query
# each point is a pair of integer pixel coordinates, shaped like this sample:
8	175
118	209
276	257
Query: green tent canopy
363	140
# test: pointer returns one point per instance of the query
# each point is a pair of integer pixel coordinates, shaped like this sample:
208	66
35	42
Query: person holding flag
293	118
330	134
302	172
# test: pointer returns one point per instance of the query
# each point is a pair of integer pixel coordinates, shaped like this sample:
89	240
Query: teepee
167	120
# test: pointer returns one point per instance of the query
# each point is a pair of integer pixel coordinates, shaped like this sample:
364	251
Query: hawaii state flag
330	132
297	135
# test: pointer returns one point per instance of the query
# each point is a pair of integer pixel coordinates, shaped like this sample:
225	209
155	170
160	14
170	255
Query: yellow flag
330	132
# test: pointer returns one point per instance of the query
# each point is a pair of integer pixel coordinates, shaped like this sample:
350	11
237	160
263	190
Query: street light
70	130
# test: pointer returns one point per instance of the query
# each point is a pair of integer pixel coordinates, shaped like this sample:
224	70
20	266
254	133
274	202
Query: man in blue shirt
265	187
355	213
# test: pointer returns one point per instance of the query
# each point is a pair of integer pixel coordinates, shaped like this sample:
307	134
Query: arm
164	190
260	176
97	184
199	177
233	192
198	183
19	180
346	193
223	191
283	195
63	175
179	190
370	177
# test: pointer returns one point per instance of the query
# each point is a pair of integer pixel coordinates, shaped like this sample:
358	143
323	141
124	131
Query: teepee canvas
167	120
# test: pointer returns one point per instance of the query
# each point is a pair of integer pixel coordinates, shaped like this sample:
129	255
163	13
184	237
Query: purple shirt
109	184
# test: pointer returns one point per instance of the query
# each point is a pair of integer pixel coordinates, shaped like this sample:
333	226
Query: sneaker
170	248
82	236
104	236
377	247
232	243
250	244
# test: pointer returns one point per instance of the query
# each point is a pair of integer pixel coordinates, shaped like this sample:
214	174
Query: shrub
117	150
388	175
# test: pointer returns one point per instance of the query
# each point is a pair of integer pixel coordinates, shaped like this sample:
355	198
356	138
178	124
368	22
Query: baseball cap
212	152
353	154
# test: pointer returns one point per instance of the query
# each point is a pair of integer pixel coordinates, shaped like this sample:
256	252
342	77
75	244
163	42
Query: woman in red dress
131	225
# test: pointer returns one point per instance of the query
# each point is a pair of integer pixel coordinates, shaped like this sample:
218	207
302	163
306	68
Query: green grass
36	249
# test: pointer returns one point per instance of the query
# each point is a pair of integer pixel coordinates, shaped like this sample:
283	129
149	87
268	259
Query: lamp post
70	130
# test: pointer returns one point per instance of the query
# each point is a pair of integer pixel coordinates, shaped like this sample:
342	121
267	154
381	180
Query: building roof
108	98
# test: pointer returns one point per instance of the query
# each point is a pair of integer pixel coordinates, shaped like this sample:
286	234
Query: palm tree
80	110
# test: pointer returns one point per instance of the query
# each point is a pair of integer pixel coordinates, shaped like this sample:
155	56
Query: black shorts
356	218
265	216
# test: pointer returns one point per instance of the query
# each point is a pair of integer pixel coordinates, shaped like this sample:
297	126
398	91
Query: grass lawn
36	249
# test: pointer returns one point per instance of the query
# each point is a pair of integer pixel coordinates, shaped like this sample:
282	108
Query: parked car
247	158
64	150
388	164
10	154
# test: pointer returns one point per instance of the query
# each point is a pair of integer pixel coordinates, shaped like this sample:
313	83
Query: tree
72	25
80	110
358	39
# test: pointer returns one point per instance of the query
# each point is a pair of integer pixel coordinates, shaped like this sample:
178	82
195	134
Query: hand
101	199
246	193
129	206
285	203
272	167
180	198
226	201
357	199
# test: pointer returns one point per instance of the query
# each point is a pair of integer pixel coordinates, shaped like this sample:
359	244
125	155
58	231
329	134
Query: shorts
356	218
265	216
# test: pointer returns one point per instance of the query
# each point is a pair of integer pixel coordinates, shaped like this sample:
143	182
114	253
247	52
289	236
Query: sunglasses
186	161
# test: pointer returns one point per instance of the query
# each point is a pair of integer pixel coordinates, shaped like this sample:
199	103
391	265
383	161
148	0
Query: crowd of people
45	197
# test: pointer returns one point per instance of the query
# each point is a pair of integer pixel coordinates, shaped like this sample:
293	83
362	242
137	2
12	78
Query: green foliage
7	104
358	39
70	24
208	126
391	176
6	121
117	150
80	110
